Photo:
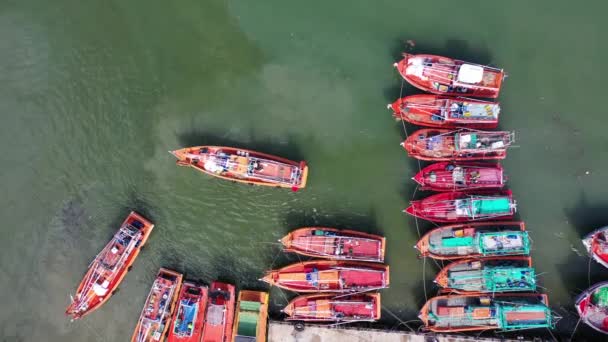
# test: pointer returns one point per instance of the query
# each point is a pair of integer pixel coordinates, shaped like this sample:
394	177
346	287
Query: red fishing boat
187	322
330	276
324	307
475	240
447	76
592	307
155	317
596	244
110	266
463	144
220	313
463	207
447	176
331	243
478	312
446	112
244	166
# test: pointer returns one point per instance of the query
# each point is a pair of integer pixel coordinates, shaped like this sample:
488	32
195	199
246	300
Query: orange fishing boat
477	312
326	307
110	266
251	317
244	166
447	76
220	313
475	240
155	317
332	243
463	144
188	319
330	276
447	176
446	112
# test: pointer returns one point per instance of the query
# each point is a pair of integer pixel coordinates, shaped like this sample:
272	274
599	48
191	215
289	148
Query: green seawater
94	93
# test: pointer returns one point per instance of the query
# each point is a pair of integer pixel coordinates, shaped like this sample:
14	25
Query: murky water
93	95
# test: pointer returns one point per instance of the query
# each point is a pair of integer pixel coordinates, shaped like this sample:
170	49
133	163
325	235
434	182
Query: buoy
295	188
395	64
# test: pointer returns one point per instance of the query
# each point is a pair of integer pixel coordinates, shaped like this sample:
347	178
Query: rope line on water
397	318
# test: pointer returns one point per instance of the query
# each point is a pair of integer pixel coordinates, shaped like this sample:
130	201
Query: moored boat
592	307
330	276
596	244
332	243
478	312
447	76
475	240
446	112
324	307
110	266
155	317
220	313
244	166
500	274
464	207
464	144
188	319
251	317
448	176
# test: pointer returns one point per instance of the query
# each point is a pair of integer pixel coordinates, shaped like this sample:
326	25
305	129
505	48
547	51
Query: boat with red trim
110	266
460	176
244	166
448	76
327	307
446	112
592	307
187	322
596	244
220	313
332	243
434	144
330	276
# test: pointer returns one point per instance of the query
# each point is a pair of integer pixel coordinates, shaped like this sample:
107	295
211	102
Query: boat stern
303	177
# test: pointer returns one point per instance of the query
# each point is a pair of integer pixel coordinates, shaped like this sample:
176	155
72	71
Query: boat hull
219	317
335	244
447	176
590	314
251	306
596	244
365	307
189	317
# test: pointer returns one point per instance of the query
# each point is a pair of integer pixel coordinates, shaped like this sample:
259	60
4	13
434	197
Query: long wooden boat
155	317
188	319
596	244
476	312
464	207
446	112
592	307
220	313
110	266
448	176
251	317
244	166
326	307
499	274
447	76
464	144
330	276
332	243
475	240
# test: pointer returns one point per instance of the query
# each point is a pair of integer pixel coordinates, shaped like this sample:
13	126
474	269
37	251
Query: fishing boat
478	312
330	276
324	307
446	112
463	207
500	274
110	266
188	319
251	317
447	76
220	313
244	166
155	317
464	144
592	307
331	243
475	240
449	176
596	244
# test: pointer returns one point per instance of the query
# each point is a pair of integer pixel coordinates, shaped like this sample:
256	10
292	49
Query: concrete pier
286	332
